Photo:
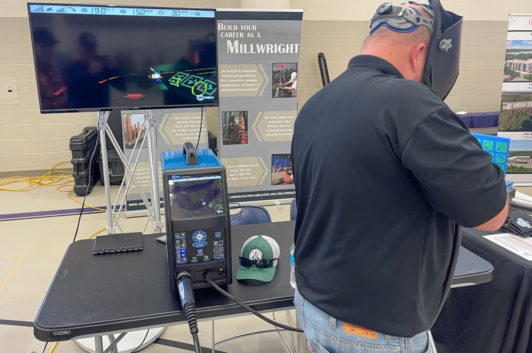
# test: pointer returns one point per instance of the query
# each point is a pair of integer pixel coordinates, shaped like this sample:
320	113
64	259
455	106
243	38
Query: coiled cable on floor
52	178
55	177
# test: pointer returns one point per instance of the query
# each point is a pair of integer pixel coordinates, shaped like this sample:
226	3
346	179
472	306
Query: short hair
421	34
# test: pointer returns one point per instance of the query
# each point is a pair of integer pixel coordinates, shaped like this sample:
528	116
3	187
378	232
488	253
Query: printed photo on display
284	80
518	61
235	128
520	157
134	129
516	111
282	169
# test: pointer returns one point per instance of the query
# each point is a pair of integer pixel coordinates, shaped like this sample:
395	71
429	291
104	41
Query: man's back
374	169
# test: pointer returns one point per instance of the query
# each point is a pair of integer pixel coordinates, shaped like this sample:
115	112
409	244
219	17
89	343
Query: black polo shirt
383	169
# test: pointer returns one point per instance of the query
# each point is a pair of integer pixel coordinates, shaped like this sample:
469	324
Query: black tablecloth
494	317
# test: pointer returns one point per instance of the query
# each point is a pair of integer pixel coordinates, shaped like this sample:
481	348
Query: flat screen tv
90	58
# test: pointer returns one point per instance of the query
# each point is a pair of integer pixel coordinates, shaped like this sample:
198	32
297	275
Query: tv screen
90	58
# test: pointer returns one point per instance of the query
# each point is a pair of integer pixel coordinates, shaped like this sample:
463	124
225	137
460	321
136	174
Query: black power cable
200	127
249	308
142	342
96	145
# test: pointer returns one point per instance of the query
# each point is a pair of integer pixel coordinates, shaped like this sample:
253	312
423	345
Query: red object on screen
134	95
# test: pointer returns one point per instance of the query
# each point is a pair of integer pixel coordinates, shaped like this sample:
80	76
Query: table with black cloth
494	317
94	295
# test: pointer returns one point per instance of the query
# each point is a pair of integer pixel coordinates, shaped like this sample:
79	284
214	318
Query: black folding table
96	295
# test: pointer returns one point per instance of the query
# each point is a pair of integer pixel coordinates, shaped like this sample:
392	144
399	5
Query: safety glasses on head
400	18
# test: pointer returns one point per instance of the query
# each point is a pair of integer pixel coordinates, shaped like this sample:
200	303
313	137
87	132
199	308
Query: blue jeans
326	334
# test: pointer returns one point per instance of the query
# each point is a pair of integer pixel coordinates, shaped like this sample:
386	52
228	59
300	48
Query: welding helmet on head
443	55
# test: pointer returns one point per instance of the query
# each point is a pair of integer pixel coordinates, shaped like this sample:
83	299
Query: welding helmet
443	55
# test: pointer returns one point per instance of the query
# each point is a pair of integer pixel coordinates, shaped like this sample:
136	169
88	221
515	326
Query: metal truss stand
130	165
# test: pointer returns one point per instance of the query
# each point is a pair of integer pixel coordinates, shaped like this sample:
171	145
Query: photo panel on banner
258	58
515	119
174	127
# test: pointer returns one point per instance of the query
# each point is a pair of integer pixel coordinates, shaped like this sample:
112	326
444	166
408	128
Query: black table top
92	295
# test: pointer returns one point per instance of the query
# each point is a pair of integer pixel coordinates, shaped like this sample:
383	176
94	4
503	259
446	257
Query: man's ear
417	60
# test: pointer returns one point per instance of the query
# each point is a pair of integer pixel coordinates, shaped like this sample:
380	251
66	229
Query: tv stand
153	209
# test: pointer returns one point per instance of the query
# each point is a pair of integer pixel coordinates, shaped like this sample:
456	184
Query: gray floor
31	250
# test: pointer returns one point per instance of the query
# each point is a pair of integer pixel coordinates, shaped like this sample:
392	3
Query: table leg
432	344
98	344
289	320
111	340
280	332
121	343
213	344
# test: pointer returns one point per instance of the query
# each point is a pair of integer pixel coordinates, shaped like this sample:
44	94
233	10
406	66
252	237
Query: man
384	172
51	85
291	85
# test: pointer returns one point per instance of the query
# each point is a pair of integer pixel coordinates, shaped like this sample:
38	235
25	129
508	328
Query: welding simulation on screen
195	197
103	57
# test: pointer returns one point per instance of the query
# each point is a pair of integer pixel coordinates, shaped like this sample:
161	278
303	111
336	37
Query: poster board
515	119
258	58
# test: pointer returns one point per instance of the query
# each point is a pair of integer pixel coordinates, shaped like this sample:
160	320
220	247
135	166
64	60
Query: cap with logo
256	251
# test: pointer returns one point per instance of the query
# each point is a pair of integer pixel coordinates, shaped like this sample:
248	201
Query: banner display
515	119
258	67
173	127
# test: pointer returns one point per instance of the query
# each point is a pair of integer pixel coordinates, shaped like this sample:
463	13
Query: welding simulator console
197	217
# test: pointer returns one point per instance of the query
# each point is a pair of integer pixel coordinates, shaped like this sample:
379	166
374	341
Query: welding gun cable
249	308
186	295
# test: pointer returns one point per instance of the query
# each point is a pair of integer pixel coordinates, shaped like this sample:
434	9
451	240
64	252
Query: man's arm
496	222
458	178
